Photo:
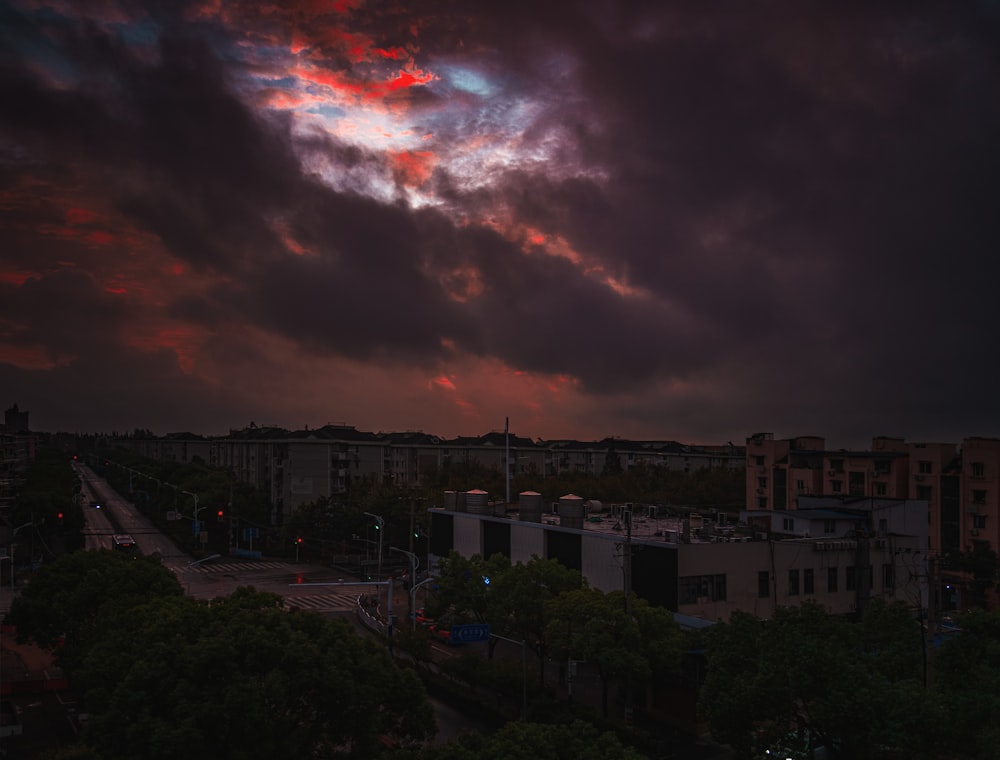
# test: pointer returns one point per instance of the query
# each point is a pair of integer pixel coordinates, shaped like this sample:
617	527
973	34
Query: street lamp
414	562
379	525
197	509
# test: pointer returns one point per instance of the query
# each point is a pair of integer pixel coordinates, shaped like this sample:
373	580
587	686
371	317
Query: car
421	618
440	632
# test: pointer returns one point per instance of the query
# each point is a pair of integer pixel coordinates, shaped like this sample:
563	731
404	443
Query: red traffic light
298	539
220	515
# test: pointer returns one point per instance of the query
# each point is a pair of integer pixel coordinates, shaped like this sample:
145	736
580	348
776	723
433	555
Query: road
303	586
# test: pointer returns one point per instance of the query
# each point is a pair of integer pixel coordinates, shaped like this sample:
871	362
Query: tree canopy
166	676
858	688
567	741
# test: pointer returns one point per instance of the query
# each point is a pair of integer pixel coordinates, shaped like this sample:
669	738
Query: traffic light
59	517
298	539
220	516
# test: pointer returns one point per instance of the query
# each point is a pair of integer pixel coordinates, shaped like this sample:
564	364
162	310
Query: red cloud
413	168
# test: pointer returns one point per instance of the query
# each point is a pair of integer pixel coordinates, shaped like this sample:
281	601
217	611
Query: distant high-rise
15	421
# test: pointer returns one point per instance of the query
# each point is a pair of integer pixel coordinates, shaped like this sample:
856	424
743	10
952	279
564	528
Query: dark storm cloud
845	158
65	312
803	200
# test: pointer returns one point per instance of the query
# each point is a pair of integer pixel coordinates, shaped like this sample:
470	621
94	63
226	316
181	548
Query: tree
464	590
570	741
48	502
165	675
967	677
805	677
519	602
73	596
587	624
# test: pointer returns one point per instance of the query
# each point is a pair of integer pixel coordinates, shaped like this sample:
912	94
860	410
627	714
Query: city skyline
650	221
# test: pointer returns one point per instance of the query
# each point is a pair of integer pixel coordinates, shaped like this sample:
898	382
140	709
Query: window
837	465
759	460
979	522
856	483
837	486
800	485
888	576
808	582
924	493
793	582
831	579
883	525
880	489
696	587
763	584
762	502
829	526
883	467
788	524
762	482
851	578
978	469
924	468
979	496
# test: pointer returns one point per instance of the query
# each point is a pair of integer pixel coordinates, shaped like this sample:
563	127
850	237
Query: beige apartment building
960	484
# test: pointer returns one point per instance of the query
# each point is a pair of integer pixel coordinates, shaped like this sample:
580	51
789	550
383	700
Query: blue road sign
468	634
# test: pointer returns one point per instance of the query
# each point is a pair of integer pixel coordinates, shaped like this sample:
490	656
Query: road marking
341	601
236	567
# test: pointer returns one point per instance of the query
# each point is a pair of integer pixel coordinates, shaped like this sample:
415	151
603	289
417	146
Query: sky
658	219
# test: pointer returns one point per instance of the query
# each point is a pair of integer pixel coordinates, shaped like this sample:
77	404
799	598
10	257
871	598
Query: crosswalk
341	601
238	567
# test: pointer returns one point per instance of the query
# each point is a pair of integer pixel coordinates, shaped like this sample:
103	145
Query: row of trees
46	512
166	676
874	689
559	617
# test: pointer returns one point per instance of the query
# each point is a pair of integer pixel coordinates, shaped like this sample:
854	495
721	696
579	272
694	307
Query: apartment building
959	483
298	467
18	446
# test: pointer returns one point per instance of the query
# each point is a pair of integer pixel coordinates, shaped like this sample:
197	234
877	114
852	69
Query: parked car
440	632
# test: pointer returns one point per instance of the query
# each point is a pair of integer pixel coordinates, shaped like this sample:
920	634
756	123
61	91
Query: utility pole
506	457
628	603
627	563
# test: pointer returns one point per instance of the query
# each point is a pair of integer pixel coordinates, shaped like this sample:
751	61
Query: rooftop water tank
530	506
477	502
571	511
